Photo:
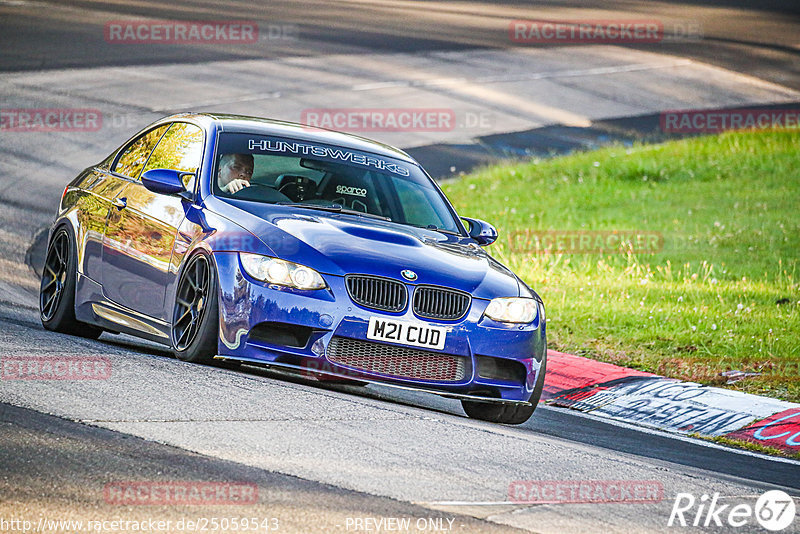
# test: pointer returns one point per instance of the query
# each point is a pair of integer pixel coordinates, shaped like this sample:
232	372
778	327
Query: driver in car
235	172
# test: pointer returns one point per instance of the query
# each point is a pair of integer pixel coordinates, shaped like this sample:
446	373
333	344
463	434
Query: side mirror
481	231
164	181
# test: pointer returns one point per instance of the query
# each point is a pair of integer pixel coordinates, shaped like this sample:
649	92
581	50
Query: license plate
406	333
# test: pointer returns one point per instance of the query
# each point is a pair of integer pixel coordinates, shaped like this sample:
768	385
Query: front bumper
301	325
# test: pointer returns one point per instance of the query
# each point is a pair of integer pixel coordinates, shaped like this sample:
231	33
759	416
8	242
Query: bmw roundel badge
409	275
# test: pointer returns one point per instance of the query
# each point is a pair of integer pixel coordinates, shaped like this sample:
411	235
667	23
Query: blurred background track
758	38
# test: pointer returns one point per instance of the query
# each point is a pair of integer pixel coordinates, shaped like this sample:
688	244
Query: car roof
262	126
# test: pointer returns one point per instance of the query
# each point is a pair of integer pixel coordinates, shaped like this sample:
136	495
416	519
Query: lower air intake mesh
395	360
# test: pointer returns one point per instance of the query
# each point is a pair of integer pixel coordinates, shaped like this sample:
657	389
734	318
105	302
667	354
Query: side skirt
93	308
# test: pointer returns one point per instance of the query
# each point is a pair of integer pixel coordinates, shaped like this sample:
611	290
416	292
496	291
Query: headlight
512	310
281	272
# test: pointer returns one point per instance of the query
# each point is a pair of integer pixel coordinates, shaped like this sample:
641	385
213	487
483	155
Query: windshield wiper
335	208
433	227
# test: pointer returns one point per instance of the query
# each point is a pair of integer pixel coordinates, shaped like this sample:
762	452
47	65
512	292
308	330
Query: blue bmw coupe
252	240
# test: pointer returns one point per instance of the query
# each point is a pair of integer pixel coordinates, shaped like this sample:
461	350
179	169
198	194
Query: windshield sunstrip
333	155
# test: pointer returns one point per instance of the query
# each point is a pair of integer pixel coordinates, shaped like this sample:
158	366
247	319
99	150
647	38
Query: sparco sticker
353	191
325	152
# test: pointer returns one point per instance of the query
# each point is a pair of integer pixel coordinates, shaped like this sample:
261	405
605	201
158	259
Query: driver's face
236	168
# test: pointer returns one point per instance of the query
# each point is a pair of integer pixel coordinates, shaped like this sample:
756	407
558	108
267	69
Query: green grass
720	294
748	446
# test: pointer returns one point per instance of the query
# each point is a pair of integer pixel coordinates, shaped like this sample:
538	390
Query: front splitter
445	394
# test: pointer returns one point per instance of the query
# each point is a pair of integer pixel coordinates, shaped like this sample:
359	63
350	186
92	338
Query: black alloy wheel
195	314
54	276
57	288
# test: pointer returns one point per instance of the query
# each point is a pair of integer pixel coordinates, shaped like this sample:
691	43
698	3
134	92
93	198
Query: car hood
340	244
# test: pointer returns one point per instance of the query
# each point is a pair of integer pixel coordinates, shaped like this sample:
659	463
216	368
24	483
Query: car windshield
309	175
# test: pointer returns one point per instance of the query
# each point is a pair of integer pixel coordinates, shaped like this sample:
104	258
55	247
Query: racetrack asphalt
57	470
336	450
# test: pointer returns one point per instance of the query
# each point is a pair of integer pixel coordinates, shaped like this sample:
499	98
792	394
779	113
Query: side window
180	149
135	155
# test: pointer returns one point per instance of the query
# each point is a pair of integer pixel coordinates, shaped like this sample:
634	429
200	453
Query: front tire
195	318
508	414
57	288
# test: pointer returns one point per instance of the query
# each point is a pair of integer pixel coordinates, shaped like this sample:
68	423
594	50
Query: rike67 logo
773	511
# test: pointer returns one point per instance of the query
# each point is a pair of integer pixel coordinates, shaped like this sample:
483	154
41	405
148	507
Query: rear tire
195	317
508	414
57	288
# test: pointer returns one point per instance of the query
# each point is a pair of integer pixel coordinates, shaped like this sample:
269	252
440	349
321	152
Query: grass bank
679	258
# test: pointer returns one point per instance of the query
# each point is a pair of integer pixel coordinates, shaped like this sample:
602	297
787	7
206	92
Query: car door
140	234
99	188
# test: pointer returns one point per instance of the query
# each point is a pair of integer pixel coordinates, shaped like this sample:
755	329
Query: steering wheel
262	192
251	187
